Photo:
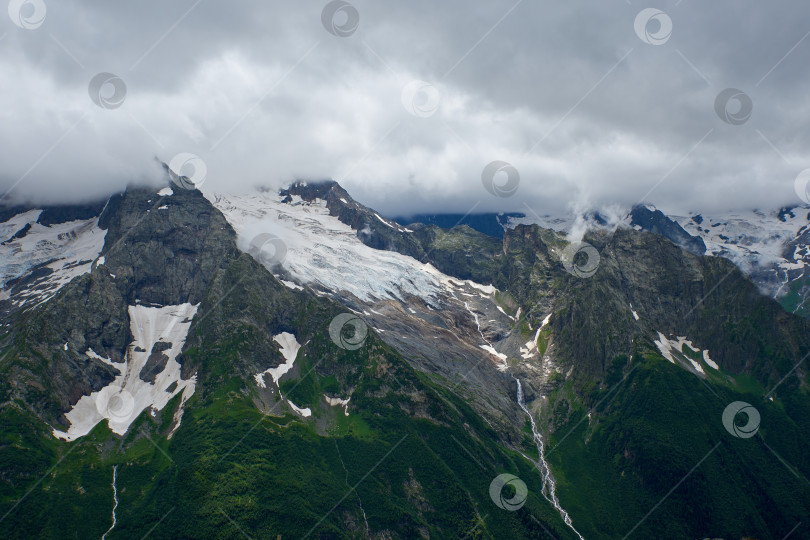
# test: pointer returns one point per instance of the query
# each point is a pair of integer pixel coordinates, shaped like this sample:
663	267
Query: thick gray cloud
587	112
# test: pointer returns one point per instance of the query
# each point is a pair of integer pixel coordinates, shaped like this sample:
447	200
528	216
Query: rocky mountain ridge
202	328
770	247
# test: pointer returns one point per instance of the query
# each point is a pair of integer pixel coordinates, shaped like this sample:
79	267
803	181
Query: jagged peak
320	189
645	206
655	221
178	180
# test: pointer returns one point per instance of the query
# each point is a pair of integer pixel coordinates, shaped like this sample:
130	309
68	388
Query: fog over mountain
597	104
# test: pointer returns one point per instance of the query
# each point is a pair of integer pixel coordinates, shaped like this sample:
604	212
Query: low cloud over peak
406	105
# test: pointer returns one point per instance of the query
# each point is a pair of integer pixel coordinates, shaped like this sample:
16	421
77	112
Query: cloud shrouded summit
593	104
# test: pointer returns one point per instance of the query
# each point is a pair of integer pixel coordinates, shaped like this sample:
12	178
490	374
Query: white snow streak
289	348
673	348
291	285
709	361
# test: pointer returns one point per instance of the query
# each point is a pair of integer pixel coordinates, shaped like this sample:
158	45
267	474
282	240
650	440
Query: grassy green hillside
409	460
655	460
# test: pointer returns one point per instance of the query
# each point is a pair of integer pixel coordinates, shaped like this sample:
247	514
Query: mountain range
180	364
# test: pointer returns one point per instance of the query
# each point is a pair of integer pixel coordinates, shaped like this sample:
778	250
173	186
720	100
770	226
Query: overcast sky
406	103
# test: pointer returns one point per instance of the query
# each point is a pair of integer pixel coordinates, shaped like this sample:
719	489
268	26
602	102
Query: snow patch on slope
303	412
488	347
123	400
291	285
491	350
529	350
289	348
672	350
90	353
337	402
69	250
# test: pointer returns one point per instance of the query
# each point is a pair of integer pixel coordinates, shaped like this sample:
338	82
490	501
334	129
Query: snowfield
323	251
327	256
746	236
123	400
758	243
69	250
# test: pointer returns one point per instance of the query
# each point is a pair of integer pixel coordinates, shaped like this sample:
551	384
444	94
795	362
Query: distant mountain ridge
491	224
771	247
650	219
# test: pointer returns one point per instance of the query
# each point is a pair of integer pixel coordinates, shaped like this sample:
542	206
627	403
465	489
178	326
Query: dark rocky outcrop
156	362
19	234
655	221
55	214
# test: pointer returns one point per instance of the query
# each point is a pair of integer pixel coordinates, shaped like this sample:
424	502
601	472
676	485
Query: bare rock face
655	221
165	250
156	362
